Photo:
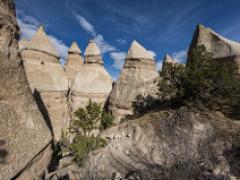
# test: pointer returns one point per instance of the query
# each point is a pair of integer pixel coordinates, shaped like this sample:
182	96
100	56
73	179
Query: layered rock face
221	48
47	80
92	81
138	78
74	62
25	139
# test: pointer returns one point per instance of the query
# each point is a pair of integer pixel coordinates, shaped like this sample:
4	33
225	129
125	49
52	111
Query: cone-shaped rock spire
218	45
93	53
47	80
136	51
74	62
74	49
92	81
138	79
41	42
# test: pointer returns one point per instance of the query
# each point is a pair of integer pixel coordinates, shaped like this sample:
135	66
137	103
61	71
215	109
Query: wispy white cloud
180	56
118	58
121	41
99	39
86	25
28	27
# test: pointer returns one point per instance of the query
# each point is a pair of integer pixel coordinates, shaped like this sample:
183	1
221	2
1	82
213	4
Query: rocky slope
178	144
25	148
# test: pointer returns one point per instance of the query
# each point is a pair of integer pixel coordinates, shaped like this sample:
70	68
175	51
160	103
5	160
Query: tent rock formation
138	78
221	48
92	81
47	80
74	62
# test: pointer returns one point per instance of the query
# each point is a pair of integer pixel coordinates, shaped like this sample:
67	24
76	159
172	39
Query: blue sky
161	26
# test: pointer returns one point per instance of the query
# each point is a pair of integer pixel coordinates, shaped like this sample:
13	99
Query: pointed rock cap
92	49
214	43
41	42
169	59
136	51
74	49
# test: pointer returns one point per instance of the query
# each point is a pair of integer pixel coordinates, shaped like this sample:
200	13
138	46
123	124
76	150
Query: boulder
221	48
74	62
47	80
138	78
25	138
92	81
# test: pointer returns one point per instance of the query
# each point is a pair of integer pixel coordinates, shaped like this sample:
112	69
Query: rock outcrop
25	139
138	78
221	48
47	80
92	81
74	62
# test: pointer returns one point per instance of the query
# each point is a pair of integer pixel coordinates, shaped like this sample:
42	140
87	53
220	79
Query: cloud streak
116	55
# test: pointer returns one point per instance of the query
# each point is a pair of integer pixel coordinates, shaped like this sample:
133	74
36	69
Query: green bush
82	146
87	118
91	117
107	120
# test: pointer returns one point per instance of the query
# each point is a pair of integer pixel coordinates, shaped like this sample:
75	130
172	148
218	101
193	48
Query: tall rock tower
25	139
138	78
47	80
74	62
221	48
92	81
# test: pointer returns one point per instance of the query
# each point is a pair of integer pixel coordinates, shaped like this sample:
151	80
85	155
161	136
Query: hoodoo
74	62
138	78
25	139
92	81
221	48
47	80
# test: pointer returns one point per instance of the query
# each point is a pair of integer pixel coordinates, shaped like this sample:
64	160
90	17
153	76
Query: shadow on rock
3	152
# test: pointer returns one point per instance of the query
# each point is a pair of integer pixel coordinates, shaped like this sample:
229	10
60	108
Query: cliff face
47	80
138	78
24	135
92	81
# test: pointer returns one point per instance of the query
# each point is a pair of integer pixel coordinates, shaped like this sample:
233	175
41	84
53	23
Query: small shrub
82	146
107	120
87	118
